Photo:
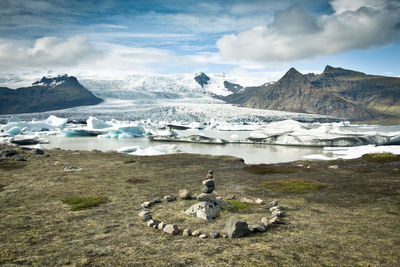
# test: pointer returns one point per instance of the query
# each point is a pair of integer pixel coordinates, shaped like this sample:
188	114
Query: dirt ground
353	220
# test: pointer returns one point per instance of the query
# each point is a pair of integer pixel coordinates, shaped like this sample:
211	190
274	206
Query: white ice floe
127	149
157	150
291	132
94	123
332	153
51	123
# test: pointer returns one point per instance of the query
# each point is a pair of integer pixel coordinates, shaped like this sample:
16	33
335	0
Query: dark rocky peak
293	77
331	71
233	87
201	78
54	81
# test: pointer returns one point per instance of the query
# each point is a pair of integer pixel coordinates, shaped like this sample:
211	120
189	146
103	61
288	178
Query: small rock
274	208
161	225
146	204
169	198
274	220
142	213
56	163
335	167
196	233
203	236
259	201
171	229
155	226
207	190
271	204
208	182
277	213
229	197
150	223
146	217
184	194
259	227
224	235
187	232
207	197
246	200
264	220
37	151
154	201
235	228
215	235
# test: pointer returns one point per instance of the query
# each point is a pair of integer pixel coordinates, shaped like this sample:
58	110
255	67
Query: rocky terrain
81	208
336	92
47	94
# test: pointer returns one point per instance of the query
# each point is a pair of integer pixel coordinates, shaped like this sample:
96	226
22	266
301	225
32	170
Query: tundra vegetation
348	216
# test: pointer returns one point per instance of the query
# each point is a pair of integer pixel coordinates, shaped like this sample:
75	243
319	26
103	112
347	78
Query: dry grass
351	222
297	186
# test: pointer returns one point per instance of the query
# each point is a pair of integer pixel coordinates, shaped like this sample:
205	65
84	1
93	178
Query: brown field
352	218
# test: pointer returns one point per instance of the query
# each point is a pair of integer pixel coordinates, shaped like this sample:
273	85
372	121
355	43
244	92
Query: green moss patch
262	169
236	205
83	203
381	157
297	186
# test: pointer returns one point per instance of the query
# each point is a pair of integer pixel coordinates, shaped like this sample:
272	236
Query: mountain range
46	94
337	92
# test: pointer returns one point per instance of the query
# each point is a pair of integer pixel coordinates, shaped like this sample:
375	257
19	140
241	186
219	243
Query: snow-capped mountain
168	86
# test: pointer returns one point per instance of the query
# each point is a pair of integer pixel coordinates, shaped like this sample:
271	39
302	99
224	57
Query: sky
263	38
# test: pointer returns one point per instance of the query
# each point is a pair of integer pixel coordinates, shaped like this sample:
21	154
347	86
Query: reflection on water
250	153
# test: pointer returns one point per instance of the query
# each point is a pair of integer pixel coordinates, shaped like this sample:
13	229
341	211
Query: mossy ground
84	202
354	220
381	157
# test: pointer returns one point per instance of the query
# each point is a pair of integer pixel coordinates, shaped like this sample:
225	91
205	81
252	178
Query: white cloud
295	34
46	52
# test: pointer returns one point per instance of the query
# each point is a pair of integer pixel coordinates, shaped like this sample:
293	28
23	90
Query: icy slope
165	86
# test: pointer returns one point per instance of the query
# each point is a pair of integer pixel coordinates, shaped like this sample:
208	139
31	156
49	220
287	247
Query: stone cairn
207	207
208	204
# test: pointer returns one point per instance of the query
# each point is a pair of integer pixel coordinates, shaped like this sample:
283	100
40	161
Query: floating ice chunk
132	131
237	127
95	123
127	149
167	132
14	130
258	135
124	132
56	121
157	150
352	152
234	137
80	132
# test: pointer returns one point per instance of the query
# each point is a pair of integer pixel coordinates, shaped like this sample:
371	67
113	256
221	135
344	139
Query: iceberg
157	150
332	153
127	149
124	132
14	130
94	123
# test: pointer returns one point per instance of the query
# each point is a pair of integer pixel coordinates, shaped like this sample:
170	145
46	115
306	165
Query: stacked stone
208	204
208	185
